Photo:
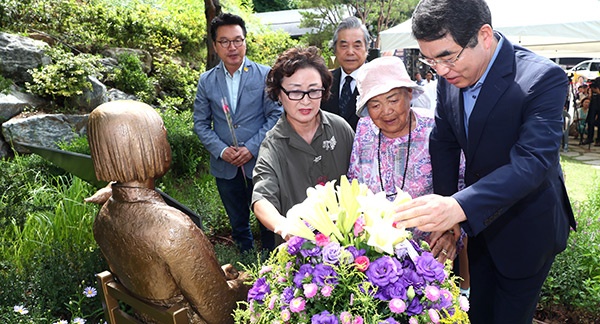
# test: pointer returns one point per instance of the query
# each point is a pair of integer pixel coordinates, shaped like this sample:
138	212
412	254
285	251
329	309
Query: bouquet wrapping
348	263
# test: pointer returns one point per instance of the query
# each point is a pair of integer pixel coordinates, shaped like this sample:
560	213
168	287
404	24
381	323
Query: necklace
405	162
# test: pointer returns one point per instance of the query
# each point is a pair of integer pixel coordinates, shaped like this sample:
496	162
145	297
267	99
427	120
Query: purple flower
389	320
384	271
355	252
312	251
412	278
331	253
305	271
259	290
414	308
324	275
430	268
324	317
445	300
295	244
287	295
395	290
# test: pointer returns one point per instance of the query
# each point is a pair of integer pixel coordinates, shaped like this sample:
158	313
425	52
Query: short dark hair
291	61
462	19
225	19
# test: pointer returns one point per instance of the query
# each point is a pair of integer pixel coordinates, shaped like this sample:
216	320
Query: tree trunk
212	8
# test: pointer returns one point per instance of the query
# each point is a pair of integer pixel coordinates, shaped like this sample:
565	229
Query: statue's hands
101	196
230	271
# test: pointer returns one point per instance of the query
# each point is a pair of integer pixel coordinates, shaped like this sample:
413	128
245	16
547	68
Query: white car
588	70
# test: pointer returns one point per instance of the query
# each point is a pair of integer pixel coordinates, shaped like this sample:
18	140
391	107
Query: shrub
573	285
5	85
66	77
177	83
129	77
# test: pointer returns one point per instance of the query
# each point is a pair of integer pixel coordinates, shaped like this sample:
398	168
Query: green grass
580	178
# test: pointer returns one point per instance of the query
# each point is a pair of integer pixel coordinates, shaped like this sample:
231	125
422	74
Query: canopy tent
553	28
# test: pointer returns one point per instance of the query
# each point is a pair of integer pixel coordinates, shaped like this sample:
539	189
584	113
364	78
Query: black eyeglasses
446	63
236	42
298	95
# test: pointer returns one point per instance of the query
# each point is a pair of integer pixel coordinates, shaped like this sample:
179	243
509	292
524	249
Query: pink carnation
310	290
362	263
432	293
359	226
358	320
321	239
286	315
434	315
326	291
297	304
464	304
397	305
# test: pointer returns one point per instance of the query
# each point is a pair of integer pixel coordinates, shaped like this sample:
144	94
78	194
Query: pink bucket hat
380	76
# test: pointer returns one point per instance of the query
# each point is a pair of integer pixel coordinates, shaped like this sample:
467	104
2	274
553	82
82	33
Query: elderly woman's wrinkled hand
443	245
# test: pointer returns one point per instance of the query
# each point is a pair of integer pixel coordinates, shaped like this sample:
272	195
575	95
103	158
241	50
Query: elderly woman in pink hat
391	147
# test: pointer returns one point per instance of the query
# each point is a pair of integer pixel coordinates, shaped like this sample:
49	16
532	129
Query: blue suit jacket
516	196
255	114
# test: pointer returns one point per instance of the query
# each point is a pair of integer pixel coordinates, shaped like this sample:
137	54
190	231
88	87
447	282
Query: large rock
90	99
18	54
144	56
16	101
44	130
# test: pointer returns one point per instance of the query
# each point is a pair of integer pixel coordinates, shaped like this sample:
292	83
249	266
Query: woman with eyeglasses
307	146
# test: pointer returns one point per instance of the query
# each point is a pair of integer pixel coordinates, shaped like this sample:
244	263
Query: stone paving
588	154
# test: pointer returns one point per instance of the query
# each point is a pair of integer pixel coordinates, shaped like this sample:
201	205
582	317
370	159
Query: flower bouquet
347	263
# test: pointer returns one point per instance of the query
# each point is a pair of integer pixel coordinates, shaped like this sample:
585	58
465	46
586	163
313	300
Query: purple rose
311	252
412	278
295	244
332	252
305	271
389	320
396	290
324	275
324	317
414	307
259	290
384	271
355	252
287	295
430	268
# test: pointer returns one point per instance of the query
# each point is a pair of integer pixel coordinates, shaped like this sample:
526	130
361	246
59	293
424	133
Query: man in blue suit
502	105
242	83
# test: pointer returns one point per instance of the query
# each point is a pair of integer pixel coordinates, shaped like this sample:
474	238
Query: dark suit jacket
516	196
333	104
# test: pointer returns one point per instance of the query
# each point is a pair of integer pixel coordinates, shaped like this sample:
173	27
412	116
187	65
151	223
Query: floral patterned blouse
381	162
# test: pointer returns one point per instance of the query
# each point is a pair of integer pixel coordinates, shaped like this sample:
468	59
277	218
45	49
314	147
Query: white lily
295	225
348	194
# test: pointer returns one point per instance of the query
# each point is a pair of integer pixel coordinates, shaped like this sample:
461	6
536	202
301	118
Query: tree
273	5
212	8
377	15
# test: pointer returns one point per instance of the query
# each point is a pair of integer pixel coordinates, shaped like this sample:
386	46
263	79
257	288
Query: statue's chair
112	293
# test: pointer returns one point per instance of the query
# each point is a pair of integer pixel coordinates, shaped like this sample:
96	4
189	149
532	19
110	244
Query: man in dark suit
502	105
350	45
